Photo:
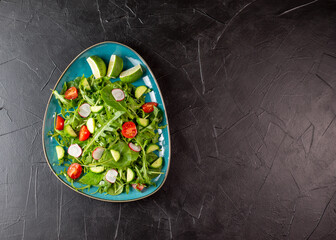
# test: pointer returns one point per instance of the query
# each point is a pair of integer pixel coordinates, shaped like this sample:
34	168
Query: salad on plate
107	134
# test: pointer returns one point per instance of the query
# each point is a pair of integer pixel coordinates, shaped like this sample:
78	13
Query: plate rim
164	107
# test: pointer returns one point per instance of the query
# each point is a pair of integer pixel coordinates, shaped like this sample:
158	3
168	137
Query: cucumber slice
60	152
139	91
68	129
143	122
91	125
115	155
98	169
157	163
96	109
152	148
85	84
130	175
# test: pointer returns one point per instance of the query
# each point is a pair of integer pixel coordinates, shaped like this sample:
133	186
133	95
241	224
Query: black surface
250	93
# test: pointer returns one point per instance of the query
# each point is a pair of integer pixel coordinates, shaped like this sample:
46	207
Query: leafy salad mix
107	133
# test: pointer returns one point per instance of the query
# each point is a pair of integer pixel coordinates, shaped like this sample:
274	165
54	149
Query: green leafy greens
108	134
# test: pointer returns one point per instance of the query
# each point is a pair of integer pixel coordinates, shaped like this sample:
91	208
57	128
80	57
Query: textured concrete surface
250	93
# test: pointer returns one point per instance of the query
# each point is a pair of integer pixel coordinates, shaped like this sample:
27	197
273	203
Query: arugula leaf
153	174
109	100
61	98
133	104
115	189
86	98
151	157
102	129
91	178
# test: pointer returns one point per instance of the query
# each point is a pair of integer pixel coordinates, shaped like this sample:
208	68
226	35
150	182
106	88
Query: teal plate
78	67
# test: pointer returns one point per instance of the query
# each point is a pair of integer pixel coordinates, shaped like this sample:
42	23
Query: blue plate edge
164	108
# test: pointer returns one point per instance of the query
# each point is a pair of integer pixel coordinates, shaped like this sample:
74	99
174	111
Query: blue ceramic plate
78	67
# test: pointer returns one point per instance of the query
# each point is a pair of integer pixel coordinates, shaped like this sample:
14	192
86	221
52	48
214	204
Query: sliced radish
118	94
75	150
98	152
84	110
134	147
111	175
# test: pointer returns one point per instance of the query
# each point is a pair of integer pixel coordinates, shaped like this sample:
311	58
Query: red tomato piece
74	170
129	130
59	123
138	186
84	133
149	107
71	93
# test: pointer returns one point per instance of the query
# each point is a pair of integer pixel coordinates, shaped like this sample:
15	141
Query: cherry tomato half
149	107
83	133
71	93
59	123
74	170
129	130
138	186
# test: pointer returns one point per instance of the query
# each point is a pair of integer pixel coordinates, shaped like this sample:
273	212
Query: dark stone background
250	93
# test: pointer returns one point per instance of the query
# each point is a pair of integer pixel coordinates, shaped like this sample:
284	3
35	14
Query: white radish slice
75	150
98	152
84	110
134	147
118	94
111	175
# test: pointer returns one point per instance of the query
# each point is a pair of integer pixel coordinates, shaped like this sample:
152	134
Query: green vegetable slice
96	109
143	121
131	75
68	129
60	152
115	154
152	148
130	175
157	163
97	66
97	169
139	91
115	66
91	125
